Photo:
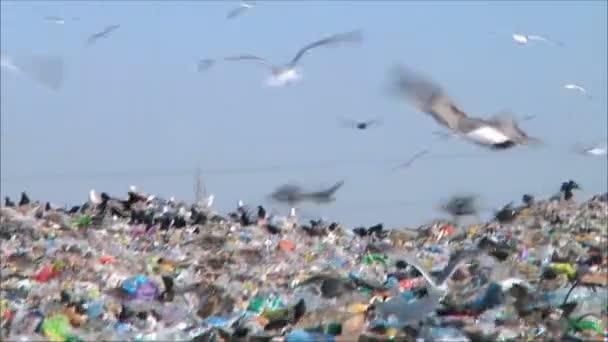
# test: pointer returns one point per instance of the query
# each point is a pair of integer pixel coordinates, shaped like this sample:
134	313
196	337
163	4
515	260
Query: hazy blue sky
133	109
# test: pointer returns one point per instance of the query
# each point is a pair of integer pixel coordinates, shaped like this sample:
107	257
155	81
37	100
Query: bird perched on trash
527	200
360	125
24	200
567	189
507	213
8	202
282	75
243	6
498	133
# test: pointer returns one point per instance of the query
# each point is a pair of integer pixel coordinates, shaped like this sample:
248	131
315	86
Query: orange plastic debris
287	245
107	259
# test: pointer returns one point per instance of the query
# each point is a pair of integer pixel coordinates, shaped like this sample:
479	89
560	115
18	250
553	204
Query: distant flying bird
48	70
412	159
292	194
243	6
524	39
104	33
58	20
498	133
598	150
576	87
286	74
204	64
350	123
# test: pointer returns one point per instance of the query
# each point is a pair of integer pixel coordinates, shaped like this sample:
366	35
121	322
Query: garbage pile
146	269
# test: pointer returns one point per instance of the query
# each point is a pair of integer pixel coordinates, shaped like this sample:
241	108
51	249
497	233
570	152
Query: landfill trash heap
145	268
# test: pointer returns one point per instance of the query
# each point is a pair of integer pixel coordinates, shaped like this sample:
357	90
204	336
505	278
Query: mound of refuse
146	268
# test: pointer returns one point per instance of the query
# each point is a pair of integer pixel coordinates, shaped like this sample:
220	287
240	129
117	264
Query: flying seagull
524	39
411	312
292	194
48	70
498	133
576	87
412	159
58	20
350	123
285	74
104	33
243	6
598	150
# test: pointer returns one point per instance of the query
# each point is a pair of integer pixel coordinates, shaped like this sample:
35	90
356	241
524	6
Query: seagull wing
48	70
428	97
574	86
350	123
352	36
259	60
412	159
236	12
544	39
507	125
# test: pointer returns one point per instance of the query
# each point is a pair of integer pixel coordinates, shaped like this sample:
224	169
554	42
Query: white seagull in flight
498	133
286	74
572	86
243	6
525	39
598	150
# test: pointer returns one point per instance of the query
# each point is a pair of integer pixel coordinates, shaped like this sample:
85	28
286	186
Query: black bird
261	212
198	217
506	214
74	210
376	229
461	206
272	229
8	202
25	200
567	189
47	206
179	222
332	226
360	231
527	199
361	125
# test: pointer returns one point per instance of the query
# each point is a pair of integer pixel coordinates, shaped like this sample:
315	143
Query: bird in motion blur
598	150
525	39
498	133
413	158
243	6
282	75
47	70
293	194
58	20
102	34
361	125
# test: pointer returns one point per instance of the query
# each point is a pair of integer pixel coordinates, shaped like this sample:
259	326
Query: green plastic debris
83	221
56	328
257	304
587	324
371	258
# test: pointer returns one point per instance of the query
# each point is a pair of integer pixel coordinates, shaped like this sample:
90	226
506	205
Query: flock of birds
500	132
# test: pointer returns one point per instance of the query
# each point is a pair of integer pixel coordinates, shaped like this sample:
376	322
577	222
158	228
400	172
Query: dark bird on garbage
8	202
360	125
567	189
292	194
507	213
74	210
498	133
360	231
25	200
101	34
261	212
527	200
